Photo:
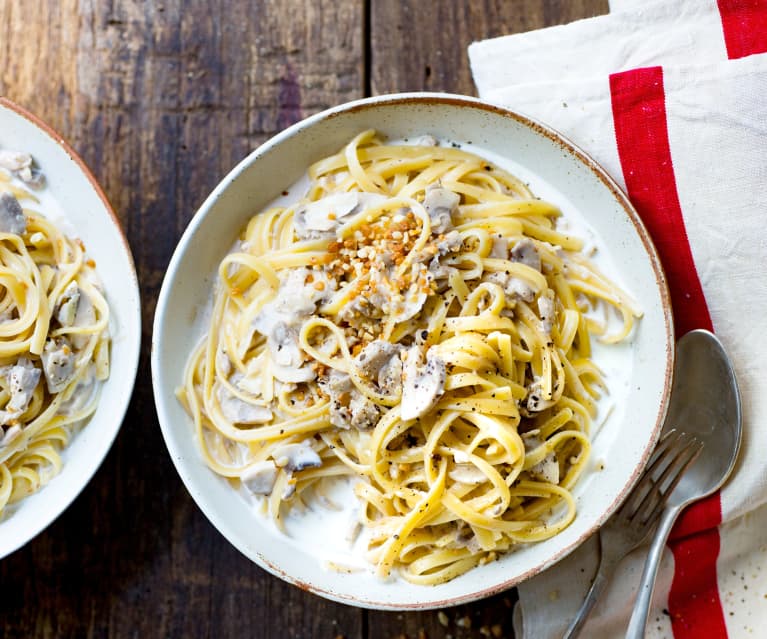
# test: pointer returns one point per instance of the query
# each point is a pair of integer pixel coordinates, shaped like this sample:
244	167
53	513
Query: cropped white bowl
71	187
555	169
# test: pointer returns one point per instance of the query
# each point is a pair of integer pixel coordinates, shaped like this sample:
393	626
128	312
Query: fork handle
636	629
606	566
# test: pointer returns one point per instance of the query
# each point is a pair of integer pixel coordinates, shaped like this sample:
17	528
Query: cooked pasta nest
54	338
419	323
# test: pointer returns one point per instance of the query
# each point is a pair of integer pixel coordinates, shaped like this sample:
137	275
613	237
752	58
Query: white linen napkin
703	101
644	34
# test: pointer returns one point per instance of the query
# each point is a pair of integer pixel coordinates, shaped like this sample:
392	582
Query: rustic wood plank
419	46
162	99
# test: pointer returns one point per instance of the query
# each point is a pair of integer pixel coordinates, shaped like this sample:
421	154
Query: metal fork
636	518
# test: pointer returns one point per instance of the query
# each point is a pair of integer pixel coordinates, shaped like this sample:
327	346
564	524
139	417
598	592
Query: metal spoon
709	409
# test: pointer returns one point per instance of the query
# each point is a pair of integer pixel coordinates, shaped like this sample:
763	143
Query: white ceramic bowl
72	191
555	170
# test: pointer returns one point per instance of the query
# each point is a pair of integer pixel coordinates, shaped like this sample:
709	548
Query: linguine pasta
418	323
54	342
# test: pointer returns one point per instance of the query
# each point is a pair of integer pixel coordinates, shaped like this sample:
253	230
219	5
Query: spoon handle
636	629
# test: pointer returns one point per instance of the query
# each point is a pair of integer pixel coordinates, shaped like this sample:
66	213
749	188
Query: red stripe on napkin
693	601
641	133
639	113
704	515
745	26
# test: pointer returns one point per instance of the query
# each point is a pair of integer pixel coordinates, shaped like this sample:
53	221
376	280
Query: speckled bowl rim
568	147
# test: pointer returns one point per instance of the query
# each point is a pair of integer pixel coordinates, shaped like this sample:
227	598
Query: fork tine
646	483
664	461
685	453
665	440
667	478
679	466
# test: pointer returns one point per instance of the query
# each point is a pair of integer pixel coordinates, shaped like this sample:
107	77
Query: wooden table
161	99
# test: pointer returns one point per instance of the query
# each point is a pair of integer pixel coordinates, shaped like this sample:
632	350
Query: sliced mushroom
349	407
320	218
422	385
354	528
252	381
337	382
547	469
410	305
23	378
297	298
530	439
12	218
440	203
364	413
67	306
535	400
450	243
375	301
85	316
296	457
280	319
338	386
547	312
283	345
375	356
525	252
86	312
32	176
407	305
21	164
438	270
291	375
515	287
295	301
259	477
390	376
58	364
367	306
287	356
340	415
380	361
14	160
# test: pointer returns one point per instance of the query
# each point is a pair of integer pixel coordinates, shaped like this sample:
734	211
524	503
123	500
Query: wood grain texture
421	46
162	99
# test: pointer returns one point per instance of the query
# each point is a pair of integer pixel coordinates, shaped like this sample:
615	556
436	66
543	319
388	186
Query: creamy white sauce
49	208
337	550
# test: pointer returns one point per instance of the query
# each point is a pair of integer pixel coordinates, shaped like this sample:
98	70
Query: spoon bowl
705	403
